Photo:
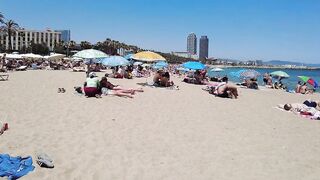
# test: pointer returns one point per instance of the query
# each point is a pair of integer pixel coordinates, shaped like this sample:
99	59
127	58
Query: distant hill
279	63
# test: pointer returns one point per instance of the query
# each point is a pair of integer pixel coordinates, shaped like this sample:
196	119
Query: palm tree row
9	27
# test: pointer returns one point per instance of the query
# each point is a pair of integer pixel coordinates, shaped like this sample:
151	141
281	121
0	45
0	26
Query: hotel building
23	37
192	44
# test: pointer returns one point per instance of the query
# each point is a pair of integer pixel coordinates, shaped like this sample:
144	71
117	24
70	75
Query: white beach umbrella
32	56
55	56
14	56
91	54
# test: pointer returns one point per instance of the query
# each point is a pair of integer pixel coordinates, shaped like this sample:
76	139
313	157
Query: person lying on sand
299	108
224	90
108	88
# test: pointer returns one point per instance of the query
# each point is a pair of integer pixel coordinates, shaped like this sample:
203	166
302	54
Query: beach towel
15	167
153	85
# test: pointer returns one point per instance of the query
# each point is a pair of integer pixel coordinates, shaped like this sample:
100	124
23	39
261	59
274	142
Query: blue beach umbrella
161	64
237	73
193	65
115	61
128	57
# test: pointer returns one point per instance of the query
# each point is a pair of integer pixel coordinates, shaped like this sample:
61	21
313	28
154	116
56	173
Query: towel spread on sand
15	167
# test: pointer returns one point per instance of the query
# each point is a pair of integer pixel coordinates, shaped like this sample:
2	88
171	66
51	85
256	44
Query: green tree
10	27
85	45
1	18
41	49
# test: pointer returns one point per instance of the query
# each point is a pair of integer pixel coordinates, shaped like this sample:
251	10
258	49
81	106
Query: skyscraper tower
204	47
192	44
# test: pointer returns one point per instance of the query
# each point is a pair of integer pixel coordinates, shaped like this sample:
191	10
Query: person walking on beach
3	62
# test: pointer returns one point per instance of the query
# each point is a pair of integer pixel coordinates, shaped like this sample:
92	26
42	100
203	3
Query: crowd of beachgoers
96	87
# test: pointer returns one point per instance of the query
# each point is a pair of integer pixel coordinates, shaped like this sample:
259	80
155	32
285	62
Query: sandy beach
160	134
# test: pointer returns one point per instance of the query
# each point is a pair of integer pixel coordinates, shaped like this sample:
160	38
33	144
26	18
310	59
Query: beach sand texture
160	134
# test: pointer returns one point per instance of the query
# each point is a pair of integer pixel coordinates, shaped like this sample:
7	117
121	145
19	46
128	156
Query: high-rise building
65	35
22	38
204	47
192	44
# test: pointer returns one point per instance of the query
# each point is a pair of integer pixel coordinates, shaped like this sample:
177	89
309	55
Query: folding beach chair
4	77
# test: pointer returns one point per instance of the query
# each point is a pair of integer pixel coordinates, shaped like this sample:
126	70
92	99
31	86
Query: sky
237	29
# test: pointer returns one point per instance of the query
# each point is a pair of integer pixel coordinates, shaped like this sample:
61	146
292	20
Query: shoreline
267	67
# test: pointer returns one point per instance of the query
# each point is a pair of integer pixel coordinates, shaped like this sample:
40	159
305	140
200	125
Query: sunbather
224	90
108	88
302	109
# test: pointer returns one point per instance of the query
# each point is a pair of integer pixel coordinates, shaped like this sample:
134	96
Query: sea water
289	82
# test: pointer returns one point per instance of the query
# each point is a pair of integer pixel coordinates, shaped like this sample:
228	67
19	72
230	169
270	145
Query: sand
160	134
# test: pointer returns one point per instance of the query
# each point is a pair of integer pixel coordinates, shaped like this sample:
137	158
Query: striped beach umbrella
309	80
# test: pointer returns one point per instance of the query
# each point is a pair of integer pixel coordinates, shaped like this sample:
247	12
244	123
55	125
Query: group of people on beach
93	87
302	88
267	79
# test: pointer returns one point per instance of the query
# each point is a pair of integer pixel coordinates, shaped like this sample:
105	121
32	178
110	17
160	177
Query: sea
289	82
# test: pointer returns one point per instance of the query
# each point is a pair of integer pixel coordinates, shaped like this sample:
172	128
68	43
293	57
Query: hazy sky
240	29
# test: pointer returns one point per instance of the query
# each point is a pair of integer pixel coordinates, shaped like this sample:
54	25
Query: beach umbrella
90	54
161	64
32	56
55	56
237	73
129	56
137	63
113	61
148	56
216	70
193	65
309	80
14	56
249	74
281	74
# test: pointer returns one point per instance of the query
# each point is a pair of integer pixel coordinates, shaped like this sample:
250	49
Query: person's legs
121	94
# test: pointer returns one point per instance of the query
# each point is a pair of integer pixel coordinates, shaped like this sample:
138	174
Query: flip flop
45	161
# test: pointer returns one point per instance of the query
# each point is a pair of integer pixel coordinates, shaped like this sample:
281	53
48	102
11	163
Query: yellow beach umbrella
148	56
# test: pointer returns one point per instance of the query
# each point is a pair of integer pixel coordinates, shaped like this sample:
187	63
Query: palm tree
9	28
1	18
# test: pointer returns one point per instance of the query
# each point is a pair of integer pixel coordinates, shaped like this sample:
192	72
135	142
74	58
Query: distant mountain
279	63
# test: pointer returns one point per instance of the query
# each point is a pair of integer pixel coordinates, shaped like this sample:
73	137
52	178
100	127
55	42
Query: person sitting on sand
165	80
91	86
303	88
250	83
265	78
108	88
157	77
298	87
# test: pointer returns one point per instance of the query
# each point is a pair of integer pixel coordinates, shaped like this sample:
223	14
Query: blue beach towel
15	167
